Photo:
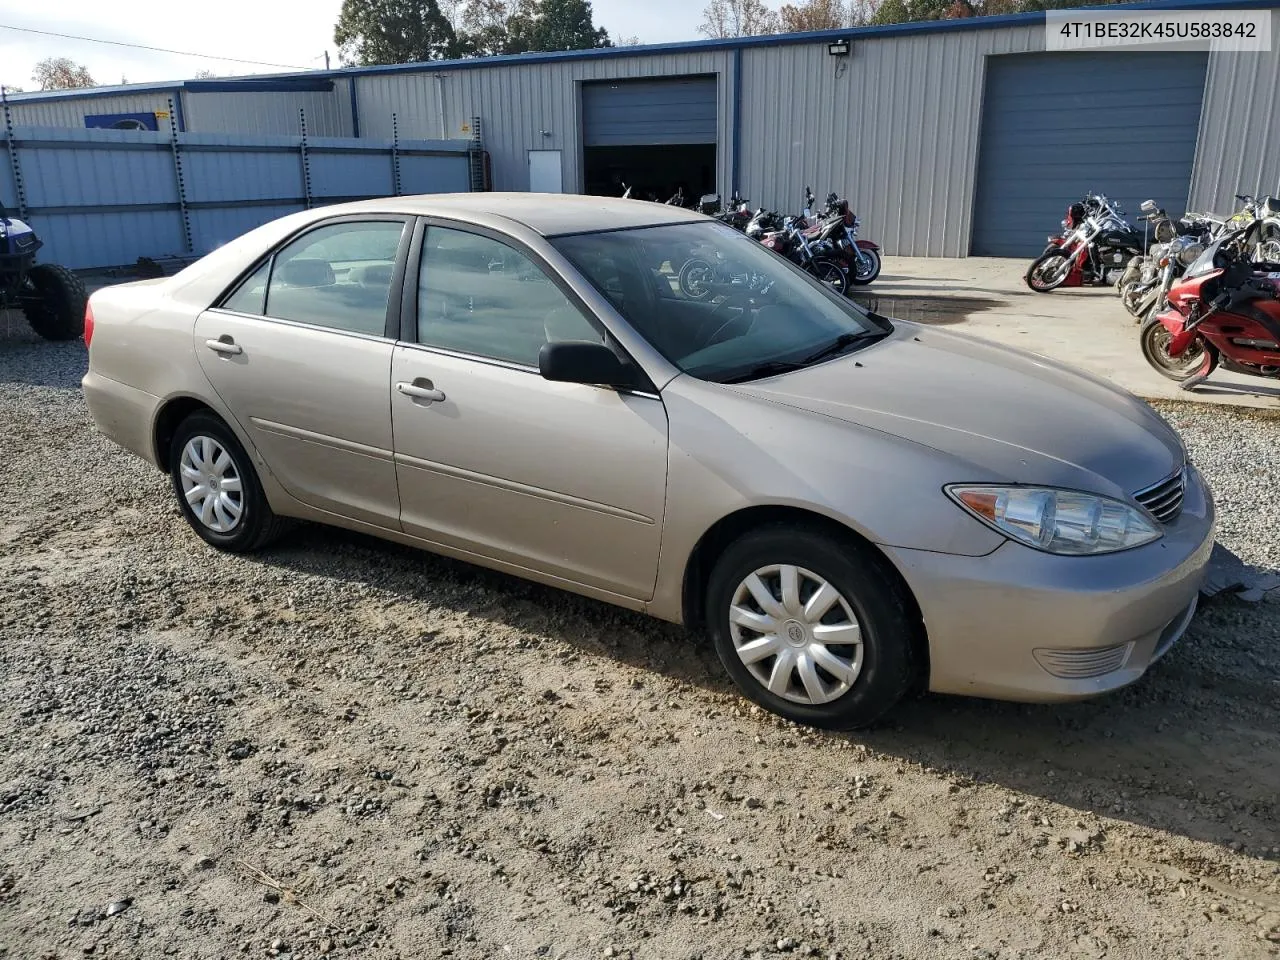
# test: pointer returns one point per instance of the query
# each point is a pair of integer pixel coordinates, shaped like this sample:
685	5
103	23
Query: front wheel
812	628
1197	360
1049	271
866	267
830	273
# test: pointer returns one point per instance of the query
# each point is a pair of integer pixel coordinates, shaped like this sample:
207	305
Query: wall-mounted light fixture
838	49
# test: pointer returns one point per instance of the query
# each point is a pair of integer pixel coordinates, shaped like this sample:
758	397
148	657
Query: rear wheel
830	273
217	489
866	267
53	300
811	627
1049	271
1197	359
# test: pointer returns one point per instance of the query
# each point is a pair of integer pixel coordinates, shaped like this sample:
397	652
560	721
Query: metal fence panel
433	174
101	198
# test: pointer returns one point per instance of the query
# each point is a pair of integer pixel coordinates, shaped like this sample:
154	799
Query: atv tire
54	301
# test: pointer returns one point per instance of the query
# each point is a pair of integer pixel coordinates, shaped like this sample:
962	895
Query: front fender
868	245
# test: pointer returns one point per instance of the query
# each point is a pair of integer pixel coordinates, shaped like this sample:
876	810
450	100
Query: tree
628	42
491	27
566	25
815	15
738	18
61	73
204	75
370	32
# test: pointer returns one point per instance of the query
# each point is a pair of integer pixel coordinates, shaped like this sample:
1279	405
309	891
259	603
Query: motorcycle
1095	244
818	257
861	258
1225	310
1146	279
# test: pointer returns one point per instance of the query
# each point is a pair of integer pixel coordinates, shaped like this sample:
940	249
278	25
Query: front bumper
1019	624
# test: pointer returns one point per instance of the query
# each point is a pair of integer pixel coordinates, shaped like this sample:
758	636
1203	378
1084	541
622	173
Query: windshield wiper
833	349
774	367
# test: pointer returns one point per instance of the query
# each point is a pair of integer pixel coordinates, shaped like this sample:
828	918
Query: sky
282	34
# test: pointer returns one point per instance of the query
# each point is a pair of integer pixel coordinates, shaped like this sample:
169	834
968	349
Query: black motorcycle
1096	242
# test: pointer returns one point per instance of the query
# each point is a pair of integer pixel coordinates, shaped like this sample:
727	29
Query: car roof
550	214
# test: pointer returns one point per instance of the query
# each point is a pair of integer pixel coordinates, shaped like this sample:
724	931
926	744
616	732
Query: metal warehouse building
950	138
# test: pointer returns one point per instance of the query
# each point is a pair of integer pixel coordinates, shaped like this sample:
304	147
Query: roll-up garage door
1056	126
660	112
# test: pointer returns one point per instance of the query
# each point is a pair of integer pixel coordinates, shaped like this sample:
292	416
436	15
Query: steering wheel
740	304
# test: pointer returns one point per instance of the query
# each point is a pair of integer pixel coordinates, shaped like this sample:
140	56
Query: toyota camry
851	506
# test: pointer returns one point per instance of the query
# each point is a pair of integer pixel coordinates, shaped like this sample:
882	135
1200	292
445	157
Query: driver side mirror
580	361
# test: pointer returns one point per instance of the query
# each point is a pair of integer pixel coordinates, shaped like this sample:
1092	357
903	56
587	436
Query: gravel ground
345	747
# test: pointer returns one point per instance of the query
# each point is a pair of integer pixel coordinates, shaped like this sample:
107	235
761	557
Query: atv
52	297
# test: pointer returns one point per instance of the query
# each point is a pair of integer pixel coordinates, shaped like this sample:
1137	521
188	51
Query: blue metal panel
241	174
211	228
94	239
649	112
434	175
1058	125
105	197
348	173
65	168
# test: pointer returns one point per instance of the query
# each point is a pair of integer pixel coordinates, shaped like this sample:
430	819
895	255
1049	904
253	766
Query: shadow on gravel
1192	748
26	358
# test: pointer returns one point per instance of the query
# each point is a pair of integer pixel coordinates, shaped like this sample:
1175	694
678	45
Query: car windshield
717	304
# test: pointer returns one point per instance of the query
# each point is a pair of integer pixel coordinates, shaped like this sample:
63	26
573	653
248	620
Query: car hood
1010	416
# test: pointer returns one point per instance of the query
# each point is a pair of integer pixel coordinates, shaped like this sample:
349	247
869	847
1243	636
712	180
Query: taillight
88	323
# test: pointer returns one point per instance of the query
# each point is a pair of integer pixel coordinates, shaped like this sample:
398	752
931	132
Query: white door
544	172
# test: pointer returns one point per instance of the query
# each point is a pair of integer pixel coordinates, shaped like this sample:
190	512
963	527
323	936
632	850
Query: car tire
54	302
873	674
236	518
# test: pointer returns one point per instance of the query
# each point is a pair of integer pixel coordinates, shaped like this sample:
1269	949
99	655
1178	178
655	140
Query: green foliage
371	32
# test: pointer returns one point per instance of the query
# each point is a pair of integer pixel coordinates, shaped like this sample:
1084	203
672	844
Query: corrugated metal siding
517	103
71	112
106	197
649	112
1238	148
896	132
269	114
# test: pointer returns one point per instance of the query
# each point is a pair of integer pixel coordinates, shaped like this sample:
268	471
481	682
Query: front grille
1084	664
1164	500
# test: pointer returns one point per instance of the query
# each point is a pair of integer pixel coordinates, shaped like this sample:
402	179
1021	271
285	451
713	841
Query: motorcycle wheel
1196	359
695	279
865	268
831	273
1048	272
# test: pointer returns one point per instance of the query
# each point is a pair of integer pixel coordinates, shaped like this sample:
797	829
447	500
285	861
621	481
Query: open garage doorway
656	135
653	173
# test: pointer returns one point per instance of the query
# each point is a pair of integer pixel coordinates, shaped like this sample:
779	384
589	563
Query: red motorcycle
838	224
1225	310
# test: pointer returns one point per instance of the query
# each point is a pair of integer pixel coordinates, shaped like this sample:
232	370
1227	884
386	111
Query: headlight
1057	521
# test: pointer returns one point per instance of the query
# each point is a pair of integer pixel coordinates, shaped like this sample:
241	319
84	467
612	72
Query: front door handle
226	346
420	393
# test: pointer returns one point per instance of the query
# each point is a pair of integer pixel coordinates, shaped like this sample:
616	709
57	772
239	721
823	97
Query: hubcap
796	634
211	484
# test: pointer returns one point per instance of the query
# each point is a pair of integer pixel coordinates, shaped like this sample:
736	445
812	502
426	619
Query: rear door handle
226	347
420	393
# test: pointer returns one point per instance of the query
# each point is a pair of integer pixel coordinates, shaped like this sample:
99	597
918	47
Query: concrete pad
1084	326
